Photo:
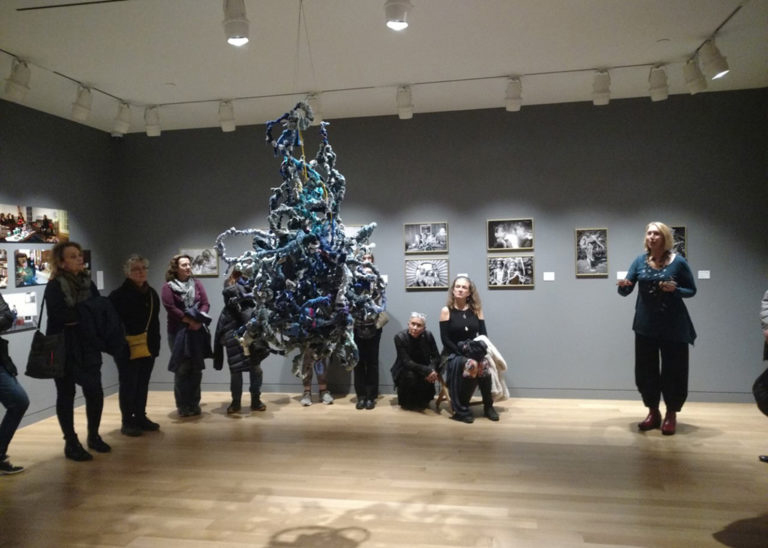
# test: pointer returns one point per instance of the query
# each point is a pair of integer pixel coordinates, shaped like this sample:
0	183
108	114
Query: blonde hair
666	232
473	299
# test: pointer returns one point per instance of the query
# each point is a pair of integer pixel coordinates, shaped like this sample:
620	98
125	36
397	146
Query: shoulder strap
151	308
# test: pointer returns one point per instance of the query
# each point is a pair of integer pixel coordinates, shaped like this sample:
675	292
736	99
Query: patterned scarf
185	289
76	287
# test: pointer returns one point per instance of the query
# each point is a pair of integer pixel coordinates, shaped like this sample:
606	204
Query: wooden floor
554	473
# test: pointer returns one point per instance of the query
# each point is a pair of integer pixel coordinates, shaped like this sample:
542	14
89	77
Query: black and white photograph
510	272
24	308
426	274
205	261
510	234
426	237
591	252
32	266
680	237
3	268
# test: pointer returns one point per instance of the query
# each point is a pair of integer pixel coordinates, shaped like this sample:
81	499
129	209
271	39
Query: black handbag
760	391
47	355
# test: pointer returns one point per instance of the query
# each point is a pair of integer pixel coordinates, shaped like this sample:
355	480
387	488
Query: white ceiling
456	54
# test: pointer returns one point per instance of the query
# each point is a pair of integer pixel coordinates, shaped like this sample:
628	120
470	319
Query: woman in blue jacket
663	328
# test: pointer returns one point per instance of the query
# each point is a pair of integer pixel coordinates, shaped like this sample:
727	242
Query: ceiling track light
122	122
396	14
313	100
404	103
601	88
81	108
152	121
227	116
657	84
235	22
713	63
17	84
514	97
694	79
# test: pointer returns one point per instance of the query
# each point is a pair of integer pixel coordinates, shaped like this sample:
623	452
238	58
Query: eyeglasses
138	268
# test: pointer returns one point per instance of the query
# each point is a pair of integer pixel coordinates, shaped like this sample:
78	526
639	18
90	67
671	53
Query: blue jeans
16	402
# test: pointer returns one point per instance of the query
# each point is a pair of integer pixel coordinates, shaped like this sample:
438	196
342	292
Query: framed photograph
591	252
680	236
32	224
205	261
3	268
24	306
426	274
31	266
510	234
426	238
510	272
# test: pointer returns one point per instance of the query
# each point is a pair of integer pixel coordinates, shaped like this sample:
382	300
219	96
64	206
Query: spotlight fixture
227	116
694	79
17	84
313	100
657	84
404	103
396	13
81	108
122	121
601	88
152	121
514	96
235	22
713	63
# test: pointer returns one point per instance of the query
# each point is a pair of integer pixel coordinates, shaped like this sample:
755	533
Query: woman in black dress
461	320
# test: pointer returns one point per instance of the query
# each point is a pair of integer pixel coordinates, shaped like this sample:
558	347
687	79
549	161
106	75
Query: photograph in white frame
591	252
509	234
426	273
426	237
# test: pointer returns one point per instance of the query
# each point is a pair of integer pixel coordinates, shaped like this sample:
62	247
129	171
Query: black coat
238	308
133	305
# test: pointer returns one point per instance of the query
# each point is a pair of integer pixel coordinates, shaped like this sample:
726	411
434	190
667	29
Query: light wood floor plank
570	473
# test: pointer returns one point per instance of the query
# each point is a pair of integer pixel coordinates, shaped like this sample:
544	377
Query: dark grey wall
698	161
49	162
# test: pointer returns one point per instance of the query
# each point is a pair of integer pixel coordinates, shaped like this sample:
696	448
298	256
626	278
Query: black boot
74	451
97	444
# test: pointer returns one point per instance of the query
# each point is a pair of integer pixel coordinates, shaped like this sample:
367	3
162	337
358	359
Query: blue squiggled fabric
309	281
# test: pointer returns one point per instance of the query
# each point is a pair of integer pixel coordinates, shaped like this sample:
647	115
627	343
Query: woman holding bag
70	284
138	306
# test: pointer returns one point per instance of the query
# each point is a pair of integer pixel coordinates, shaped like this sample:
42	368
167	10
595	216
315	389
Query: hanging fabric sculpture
309	280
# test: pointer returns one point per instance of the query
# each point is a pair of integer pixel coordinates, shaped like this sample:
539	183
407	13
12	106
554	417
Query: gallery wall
694	161
49	162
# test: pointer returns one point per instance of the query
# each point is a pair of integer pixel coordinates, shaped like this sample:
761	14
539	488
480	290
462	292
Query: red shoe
653	420
670	423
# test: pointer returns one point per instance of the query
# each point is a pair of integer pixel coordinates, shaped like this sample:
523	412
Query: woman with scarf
70	284
138	306
187	305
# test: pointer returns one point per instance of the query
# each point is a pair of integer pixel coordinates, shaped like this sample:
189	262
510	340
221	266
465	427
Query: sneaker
325	397
130	430
98	444
258	405
73	450
370	404
147	425
6	468
306	399
360	403
233	408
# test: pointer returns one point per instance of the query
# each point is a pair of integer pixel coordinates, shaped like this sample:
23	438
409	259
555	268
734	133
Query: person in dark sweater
415	369
138	306
662	326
